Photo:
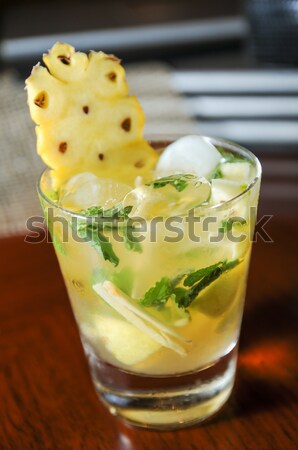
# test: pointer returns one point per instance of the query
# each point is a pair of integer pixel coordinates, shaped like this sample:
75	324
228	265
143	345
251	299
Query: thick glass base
164	402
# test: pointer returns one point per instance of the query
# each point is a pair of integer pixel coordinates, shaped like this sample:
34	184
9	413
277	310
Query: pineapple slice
86	120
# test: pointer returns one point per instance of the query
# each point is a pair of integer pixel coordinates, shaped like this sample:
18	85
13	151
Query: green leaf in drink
230	157
194	283
199	274
227	224
179	181
91	233
158	294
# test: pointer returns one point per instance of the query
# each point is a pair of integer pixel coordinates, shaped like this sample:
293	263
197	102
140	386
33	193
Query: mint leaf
229	156
193	292
227	225
195	282
216	173
116	212
92	211
199	274
230	265
179	182
130	242
158	294
105	219
91	233
212	274
179	293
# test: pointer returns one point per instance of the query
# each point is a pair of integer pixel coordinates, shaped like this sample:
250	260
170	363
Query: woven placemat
20	166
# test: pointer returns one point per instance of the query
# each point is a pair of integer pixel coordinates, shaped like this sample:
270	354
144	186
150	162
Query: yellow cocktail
160	316
153	241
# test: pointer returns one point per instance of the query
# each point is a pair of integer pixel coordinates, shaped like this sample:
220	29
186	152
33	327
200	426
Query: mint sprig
158	295
195	290
179	181
212	273
194	283
116	212
99	220
196	276
92	233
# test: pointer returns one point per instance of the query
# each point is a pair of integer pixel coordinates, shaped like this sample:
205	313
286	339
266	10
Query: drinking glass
159	366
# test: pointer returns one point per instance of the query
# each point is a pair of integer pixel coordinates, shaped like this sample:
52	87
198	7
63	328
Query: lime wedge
219	296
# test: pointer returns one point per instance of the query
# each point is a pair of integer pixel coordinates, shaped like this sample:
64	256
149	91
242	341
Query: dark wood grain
46	397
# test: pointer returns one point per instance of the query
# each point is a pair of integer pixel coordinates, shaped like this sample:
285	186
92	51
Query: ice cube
189	154
236	171
166	201
196	193
224	190
146	202
85	190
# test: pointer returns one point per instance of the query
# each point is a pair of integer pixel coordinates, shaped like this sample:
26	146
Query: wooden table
46	397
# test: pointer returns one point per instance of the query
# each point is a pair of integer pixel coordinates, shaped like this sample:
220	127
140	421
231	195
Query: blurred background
226	69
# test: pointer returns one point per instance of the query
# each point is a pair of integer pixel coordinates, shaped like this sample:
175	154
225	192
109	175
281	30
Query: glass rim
201	209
